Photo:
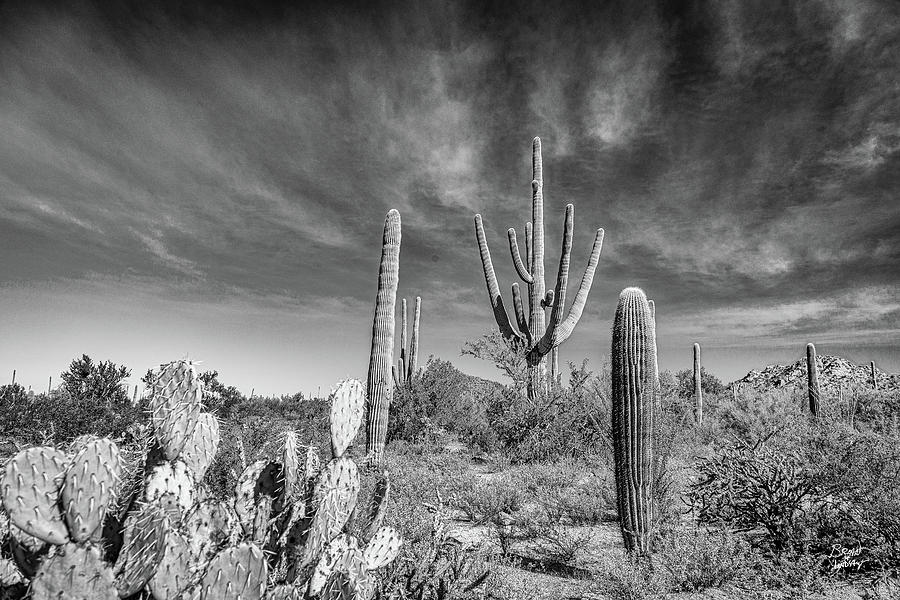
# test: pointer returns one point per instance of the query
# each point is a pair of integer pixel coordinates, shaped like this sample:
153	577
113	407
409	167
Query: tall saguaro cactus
652	305
409	355
379	384
633	400
533	332
874	374
812	379
698	386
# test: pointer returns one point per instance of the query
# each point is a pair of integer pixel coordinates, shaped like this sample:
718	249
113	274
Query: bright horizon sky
212	182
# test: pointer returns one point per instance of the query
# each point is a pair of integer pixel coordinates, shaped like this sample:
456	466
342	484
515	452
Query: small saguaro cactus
533	332
633	401
409	355
380	384
812	379
698	386
874	374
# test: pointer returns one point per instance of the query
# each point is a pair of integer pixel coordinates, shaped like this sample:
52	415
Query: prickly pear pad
383	548
331	516
291	465
90	486
9	573
343	556
201	446
74	573
212	524
171	478
30	489
173	575
235	574
175	405
145	544
340	473
346	414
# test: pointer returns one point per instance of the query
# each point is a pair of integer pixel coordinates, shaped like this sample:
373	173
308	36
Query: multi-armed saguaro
380	384
409	355
633	401
532	332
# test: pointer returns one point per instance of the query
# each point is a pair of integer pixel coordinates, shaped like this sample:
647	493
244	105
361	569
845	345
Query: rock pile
834	372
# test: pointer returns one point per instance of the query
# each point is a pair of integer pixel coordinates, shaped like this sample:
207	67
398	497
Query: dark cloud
742	157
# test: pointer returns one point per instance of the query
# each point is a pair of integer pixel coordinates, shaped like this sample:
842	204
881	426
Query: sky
210	181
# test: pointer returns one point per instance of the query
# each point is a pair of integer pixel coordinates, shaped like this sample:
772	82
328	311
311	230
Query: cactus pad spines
382	548
175	405
378	505
74	573
30	490
168	481
237	573
346	414
245	494
90	487
212	524
201	446
633	401
340	473
10	574
341	569
332	514
143	549
173	575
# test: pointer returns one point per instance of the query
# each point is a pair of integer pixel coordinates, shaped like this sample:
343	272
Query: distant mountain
834	372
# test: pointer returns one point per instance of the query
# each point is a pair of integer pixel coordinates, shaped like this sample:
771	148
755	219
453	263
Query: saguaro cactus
874	374
652	305
409	355
533	332
698	386
812	379
379	384
633	400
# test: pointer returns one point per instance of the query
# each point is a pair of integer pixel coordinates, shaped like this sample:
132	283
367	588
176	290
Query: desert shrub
709	383
577	493
442	397
697	559
487	499
756	415
99	382
628	577
58	418
747	487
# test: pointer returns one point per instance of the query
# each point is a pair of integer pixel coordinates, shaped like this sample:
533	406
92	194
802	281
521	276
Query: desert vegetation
618	481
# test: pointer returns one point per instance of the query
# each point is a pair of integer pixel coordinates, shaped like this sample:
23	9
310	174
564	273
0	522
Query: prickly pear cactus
346	414
89	487
238	573
171	478
175	405
30	489
74	573
201	446
145	539
173	574
383	548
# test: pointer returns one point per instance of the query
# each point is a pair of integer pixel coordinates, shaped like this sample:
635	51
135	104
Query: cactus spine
534	333
379	384
812	379
698	387
633	400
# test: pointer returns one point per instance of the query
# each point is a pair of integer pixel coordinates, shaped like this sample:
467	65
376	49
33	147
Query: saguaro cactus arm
559	329
490	279
812	375
521	269
521	318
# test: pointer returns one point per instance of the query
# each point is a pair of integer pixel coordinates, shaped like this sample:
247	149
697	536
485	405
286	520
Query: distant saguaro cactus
633	400
409	355
698	386
874	375
379	384
538	337
812	379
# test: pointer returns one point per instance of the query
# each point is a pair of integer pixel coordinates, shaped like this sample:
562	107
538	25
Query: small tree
709	383
86	380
